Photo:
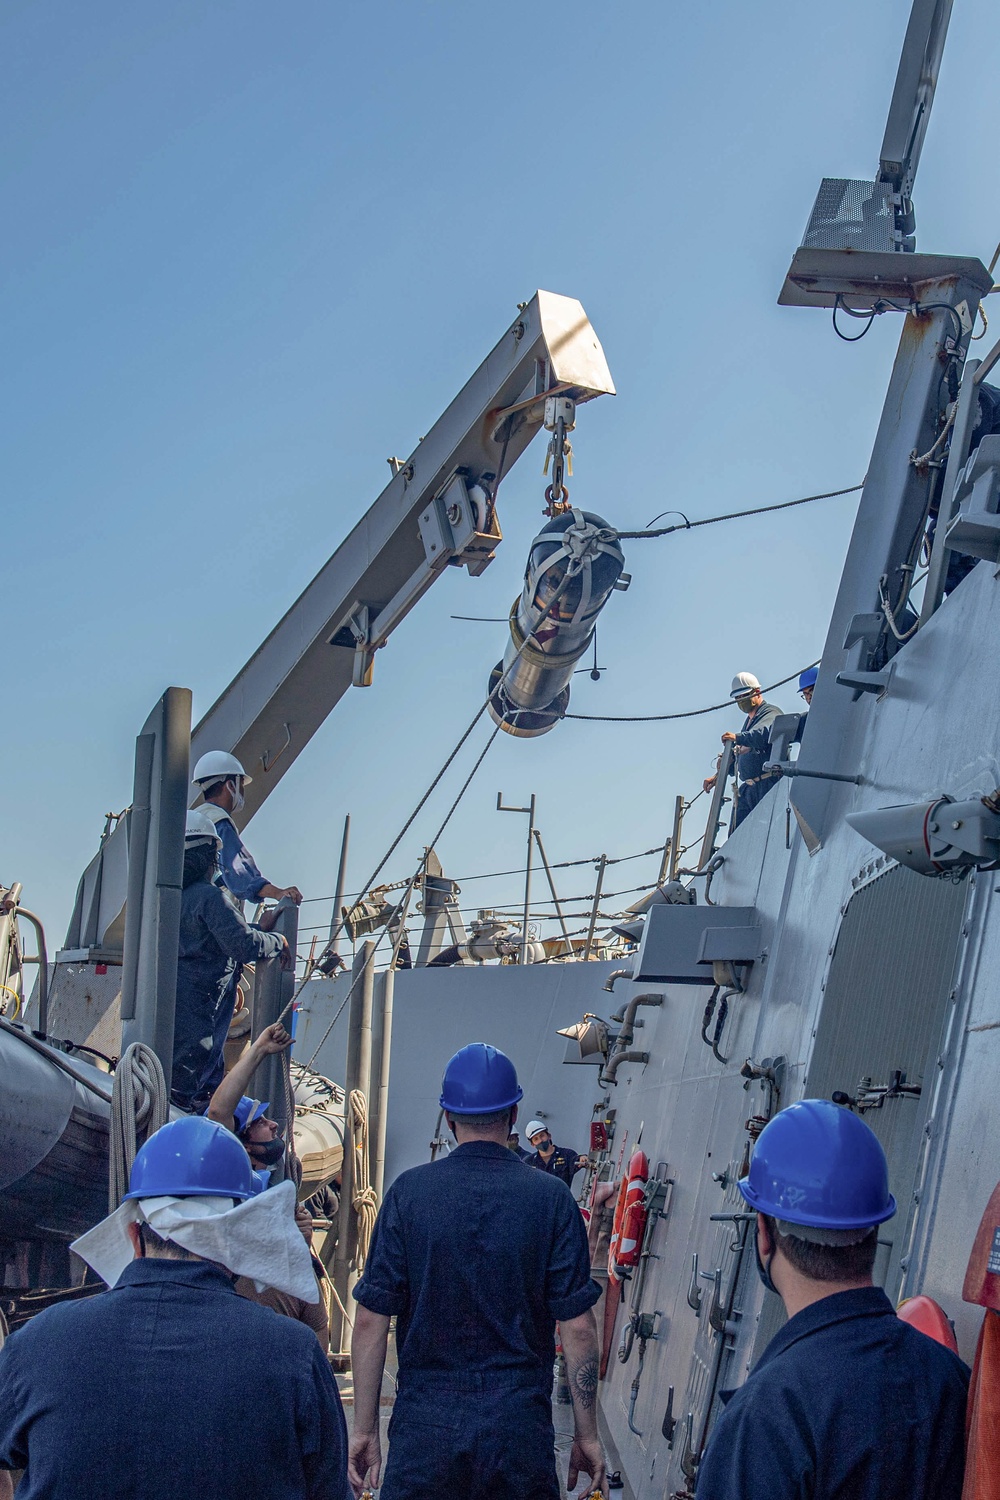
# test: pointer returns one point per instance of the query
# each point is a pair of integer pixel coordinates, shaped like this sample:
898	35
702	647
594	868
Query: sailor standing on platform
220	778
847	1399
753	784
477	1260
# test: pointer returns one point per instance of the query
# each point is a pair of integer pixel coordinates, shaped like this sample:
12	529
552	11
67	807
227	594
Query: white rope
138	1106
363	1196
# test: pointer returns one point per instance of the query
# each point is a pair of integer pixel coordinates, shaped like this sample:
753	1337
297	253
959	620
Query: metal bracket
873	1096
359	625
867	682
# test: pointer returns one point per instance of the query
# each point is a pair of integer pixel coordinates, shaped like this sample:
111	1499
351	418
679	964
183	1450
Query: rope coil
363	1196
138	1108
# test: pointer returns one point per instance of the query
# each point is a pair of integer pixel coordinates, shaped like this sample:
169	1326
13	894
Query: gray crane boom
435	511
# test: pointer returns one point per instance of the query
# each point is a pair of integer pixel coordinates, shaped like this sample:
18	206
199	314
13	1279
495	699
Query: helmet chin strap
764	1266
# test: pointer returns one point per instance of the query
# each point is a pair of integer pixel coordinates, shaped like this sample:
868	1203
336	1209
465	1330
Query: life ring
634	1215
616	1229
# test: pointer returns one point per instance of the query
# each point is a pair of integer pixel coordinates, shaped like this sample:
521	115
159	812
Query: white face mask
237	789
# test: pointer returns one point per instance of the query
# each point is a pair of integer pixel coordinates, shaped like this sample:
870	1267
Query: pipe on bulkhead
608	1072
627	1017
616	974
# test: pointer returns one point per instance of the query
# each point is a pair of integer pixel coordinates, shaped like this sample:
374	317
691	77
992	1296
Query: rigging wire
398	940
733	515
690	713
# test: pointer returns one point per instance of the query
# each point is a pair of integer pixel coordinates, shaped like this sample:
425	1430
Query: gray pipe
610	1068
43	967
627	1017
609	983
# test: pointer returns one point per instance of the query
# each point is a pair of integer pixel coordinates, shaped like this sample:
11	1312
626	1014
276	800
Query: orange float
929	1317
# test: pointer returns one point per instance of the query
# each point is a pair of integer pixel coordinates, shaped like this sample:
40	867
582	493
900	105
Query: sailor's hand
587	1457
286	957
729	738
293	893
304	1222
582	1161
272	1039
364	1461
708	783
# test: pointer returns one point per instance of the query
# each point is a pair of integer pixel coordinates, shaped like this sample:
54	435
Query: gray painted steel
155	876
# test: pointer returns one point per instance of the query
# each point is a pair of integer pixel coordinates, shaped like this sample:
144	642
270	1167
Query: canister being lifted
574	564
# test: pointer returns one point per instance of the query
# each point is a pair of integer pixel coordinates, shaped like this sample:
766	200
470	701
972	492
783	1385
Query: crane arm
435	511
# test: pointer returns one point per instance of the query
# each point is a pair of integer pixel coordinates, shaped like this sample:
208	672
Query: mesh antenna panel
852	215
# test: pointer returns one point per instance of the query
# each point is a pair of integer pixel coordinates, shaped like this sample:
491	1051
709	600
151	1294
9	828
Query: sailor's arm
579	1342
222	1105
368	1349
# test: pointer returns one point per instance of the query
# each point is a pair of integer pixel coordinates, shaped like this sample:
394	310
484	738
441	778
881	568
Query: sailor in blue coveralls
477	1258
847	1402
752	784
221	779
215	940
170	1386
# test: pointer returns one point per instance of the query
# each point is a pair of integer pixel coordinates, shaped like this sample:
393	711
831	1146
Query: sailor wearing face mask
215	940
752	782
220	778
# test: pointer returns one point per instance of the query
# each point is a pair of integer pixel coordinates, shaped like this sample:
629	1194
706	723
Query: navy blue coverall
477	1258
214	941
847	1402
170	1387
752	785
240	874
562	1164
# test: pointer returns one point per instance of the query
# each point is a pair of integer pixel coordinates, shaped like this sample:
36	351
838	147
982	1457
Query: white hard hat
744	683
199	828
218	765
535	1127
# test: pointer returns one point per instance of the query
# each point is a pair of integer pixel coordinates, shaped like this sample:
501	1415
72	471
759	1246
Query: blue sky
251	250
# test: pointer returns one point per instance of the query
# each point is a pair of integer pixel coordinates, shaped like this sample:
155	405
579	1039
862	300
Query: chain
560	418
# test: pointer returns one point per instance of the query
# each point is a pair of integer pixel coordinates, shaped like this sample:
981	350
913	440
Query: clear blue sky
250	250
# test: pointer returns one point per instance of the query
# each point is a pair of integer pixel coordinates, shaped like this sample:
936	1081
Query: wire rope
689	713
734	515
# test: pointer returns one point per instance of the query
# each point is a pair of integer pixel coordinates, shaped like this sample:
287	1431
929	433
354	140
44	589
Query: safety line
690	713
734	515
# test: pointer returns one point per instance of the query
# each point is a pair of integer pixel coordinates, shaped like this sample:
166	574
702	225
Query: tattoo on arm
585	1384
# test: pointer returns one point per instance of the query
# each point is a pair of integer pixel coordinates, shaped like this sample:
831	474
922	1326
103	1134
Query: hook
669	1424
689	1458
694	1292
266	760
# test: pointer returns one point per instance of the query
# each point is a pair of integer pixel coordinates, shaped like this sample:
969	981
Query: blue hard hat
818	1164
191	1158
479	1080
807	679
247	1112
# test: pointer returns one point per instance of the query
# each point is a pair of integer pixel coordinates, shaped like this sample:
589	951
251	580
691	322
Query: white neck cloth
258	1238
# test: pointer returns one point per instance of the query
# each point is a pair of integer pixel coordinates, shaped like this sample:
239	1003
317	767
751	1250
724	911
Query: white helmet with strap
535	1127
200	828
744	684
218	765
